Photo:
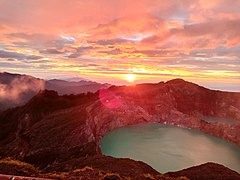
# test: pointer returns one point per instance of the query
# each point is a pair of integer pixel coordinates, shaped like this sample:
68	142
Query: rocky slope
206	171
51	130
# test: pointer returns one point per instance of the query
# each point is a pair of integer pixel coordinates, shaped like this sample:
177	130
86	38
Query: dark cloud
61	42
36	36
199	35
73	55
80	51
13	65
40	41
155	53
84	48
109	41
39	62
230	28
51	51
19	56
220	51
93	65
155	38
11	60
112	52
46	66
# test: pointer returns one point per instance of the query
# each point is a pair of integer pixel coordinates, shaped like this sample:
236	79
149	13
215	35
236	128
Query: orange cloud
170	38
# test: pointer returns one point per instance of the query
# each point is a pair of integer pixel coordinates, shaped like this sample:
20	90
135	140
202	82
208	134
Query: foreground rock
123	166
98	167
107	168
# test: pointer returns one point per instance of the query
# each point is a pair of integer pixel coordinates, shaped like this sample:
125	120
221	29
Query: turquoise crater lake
169	148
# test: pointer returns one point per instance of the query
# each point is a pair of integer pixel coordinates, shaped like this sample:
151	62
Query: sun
130	77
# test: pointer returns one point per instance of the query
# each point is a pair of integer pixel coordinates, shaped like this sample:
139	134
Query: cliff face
51	129
176	102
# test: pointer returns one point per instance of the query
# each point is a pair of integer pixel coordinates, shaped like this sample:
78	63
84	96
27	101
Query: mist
18	90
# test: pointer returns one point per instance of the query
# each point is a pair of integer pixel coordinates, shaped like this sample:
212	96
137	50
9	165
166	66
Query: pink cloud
118	35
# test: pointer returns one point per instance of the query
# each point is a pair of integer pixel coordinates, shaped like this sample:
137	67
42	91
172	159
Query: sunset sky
123	41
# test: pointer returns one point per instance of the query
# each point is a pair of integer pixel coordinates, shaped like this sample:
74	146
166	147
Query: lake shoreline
188	140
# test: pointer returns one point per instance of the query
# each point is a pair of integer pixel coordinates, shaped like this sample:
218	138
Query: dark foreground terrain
59	135
108	168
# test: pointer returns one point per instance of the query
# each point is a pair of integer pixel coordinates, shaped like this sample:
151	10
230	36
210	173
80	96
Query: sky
123	41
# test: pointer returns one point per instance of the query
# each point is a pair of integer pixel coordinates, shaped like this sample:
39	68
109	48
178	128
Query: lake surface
169	148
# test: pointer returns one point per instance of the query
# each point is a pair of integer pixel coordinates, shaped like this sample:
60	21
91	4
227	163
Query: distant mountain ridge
72	87
17	89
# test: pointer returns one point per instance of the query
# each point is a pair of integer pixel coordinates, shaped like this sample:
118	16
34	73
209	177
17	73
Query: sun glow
130	77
